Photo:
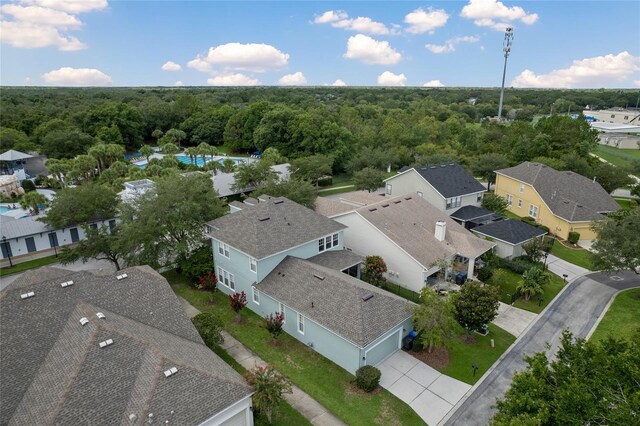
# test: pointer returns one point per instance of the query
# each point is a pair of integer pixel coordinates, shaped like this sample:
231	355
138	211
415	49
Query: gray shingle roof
450	180
510	230
470	212
269	227
53	370
337	259
410	222
337	300
569	195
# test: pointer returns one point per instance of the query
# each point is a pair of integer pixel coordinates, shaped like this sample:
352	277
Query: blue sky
455	43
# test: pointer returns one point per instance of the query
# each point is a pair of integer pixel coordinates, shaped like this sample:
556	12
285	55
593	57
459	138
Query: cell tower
506	48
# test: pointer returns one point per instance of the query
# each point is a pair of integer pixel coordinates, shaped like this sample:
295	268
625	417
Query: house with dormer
289	259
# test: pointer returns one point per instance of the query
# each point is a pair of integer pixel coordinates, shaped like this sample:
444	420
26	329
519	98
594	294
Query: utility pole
506	48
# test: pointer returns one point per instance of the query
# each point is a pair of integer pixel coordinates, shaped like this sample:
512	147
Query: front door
31	244
6	250
74	235
53	239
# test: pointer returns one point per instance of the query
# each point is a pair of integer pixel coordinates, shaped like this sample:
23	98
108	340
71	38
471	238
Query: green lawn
577	256
623	317
618	157
329	191
508	281
322	379
626	203
21	267
462	356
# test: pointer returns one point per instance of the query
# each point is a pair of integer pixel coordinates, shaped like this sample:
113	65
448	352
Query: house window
327	242
420	194
519	203
94	226
533	210
389	189
509	199
253	265
521	188
220	275
223	249
256	295
226	278
300	324
281	311
454	202
479	197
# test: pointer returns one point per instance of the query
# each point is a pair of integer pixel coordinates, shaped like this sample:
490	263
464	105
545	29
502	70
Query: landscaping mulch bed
468	339
352	388
438	358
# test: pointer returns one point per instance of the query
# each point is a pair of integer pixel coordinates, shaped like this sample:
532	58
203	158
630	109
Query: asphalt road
576	309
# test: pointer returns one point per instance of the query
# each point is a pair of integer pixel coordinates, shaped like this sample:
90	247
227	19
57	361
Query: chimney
441	230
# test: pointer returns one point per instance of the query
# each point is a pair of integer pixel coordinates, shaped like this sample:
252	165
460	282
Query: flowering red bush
238	301
273	323
208	282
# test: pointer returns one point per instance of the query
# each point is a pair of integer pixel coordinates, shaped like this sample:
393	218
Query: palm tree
146	151
205	149
170	148
113	153
157	133
58	168
228	165
32	200
99	152
532	283
192	152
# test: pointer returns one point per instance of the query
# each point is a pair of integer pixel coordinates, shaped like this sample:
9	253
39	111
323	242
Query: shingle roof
337	300
510	230
450	180
410	222
269	227
470	212
569	195
337	259
54	371
345	202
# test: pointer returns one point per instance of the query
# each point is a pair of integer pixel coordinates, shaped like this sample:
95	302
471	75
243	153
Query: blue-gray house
289	259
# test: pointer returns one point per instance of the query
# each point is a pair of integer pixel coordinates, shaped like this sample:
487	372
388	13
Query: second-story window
521	188
223	249
454	202
253	265
327	242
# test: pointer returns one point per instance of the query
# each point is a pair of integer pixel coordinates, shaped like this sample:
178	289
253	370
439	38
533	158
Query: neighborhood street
577	309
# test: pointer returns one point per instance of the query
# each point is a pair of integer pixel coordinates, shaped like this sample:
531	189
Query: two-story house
445	186
563	201
288	259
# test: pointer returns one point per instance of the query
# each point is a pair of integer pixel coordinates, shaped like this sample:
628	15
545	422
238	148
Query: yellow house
562	201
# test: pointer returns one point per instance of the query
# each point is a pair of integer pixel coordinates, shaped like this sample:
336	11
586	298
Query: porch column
472	262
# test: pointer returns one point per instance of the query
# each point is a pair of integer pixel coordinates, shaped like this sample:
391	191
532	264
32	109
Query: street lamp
8	249
544	267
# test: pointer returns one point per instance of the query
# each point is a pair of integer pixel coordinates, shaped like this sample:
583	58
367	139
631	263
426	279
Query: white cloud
295	79
330	16
171	66
67	76
370	51
178	83
598	71
339	83
388	78
71	6
636	82
450	45
425	21
232	80
433	83
241	57
24	35
494	14
362	25
41	15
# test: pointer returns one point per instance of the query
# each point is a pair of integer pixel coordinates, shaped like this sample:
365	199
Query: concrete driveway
512	319
431	394
560	267
577	309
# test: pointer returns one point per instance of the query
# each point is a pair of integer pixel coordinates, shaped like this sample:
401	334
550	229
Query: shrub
574	237
374	267
273	323
28	185
325	181
238	301
208	282
517	266
544	228
529	220
418	346
209	326
198	264
269	387
485	273
368	377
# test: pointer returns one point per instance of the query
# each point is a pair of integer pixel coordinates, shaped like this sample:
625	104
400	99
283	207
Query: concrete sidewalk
307	406
560	267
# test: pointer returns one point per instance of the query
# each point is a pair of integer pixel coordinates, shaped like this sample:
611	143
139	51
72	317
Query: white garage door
383	349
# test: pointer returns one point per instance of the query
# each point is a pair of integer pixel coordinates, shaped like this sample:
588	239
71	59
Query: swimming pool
199	162
4	209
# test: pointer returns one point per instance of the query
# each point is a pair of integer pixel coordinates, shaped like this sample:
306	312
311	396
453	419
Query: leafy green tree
81	205
84	167
585	383
207	126
537	247
532	283
28	185
32	201
434	320
312	168
110	135
374	268
370	157
210	328
495	203
198	263
250	175
298	191
272	156
66	143
146	151
174	136
126	117
617	245
101	244
59	169
476	305
157	134
12	138
269	387
170	148
272	131
368	179
485	166
611	177
47	127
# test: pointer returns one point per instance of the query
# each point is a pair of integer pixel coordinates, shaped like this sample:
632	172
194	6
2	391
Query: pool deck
143	162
